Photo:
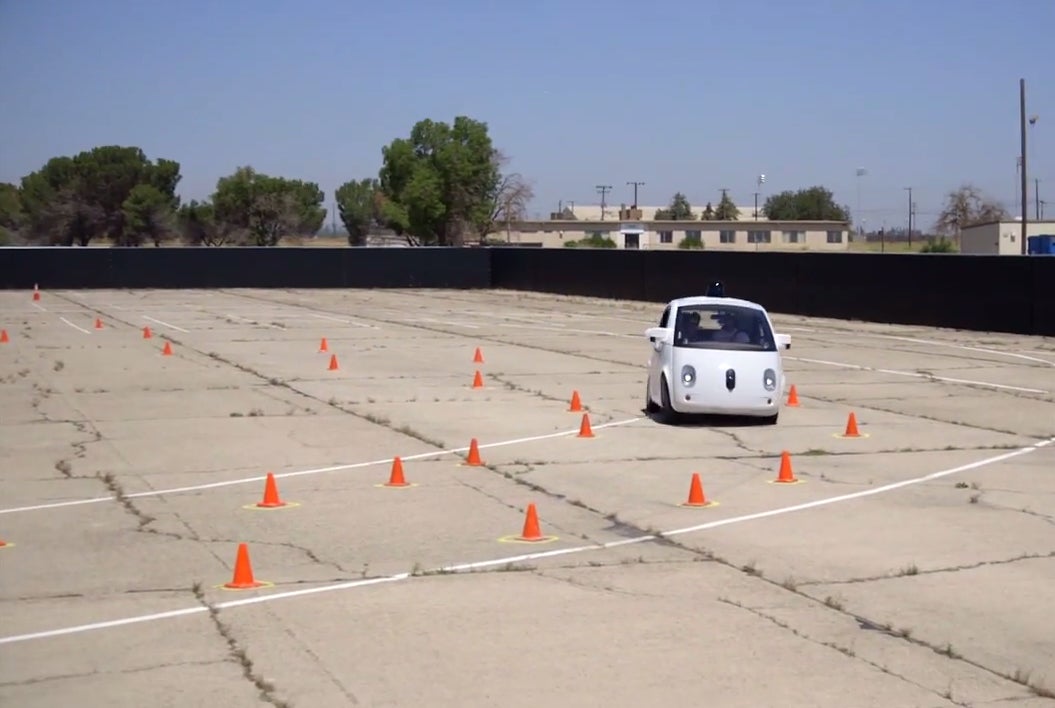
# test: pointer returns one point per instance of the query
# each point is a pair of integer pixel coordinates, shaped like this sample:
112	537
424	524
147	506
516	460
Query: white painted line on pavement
575	331
318	470
82	329
964	347
916	374
166	324
138	619
39	306
354	323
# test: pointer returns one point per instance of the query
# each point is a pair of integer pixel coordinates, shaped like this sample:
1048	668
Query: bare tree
966	206
509	201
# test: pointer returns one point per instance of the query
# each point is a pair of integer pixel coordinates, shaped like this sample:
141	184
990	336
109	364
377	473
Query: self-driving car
715	355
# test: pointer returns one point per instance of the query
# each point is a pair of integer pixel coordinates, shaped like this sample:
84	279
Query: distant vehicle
715	355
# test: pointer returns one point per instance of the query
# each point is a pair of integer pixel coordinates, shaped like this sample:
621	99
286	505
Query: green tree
726	210
198	225
440	183
261	210
811	204
74	200
11	216
148	216
679	210
708	213
359	207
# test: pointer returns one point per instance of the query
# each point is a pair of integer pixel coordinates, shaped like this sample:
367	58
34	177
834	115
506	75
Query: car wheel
771	420
667	414
650	405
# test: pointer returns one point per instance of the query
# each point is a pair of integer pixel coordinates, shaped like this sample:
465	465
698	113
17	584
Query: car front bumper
692	402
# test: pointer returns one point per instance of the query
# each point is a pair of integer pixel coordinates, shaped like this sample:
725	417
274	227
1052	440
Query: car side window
665	317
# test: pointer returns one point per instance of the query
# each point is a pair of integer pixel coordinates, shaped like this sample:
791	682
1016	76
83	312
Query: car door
655	362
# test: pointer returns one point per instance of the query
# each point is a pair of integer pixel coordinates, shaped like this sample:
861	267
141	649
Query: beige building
630	229
1000	238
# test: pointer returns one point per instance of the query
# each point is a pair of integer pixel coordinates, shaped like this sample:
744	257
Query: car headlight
688	375
769	379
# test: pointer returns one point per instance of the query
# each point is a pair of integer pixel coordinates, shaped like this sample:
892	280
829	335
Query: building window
725	236
759	237
835	237
694	235
666	237
792	237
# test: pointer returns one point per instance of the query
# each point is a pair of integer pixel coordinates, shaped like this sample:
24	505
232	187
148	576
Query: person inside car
729	331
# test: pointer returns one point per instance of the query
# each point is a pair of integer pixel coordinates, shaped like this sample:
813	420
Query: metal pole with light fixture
1025	181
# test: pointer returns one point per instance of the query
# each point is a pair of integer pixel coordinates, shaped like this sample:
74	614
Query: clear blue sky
689	96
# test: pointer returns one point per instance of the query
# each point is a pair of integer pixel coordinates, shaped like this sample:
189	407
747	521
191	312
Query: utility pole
1042	205
603	189
1025	181
909	216
1036	195
636	185
756	205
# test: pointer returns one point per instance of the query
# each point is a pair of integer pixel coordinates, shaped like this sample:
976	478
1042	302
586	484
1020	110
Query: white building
1000	238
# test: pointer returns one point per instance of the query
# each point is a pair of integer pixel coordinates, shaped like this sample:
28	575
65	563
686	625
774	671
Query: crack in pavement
914	571
114	672
239	654
846	651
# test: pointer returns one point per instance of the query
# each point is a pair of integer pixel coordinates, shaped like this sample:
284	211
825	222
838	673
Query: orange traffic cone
474	454
167	351
793	397
271	499
478	357
147	334
576	402
478	380
3	336
585	431
531	530
324	345
243	571
2	543
98	323
333	362
36	292
696	496
786	474
851	427
396	478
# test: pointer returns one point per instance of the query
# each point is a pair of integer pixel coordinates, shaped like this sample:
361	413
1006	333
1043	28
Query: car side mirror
783	341
657	335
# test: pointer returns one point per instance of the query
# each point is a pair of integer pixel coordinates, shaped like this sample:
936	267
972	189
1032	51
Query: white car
715	355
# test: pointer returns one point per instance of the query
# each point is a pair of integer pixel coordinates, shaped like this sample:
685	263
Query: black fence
1014	294
72	268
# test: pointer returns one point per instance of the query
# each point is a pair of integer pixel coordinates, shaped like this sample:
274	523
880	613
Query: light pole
761	181
1025	182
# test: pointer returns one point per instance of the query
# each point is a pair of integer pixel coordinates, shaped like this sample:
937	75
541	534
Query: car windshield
720	326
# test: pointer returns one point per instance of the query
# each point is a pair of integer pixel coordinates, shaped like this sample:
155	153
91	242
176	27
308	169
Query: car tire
650	405
667	414
771	420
